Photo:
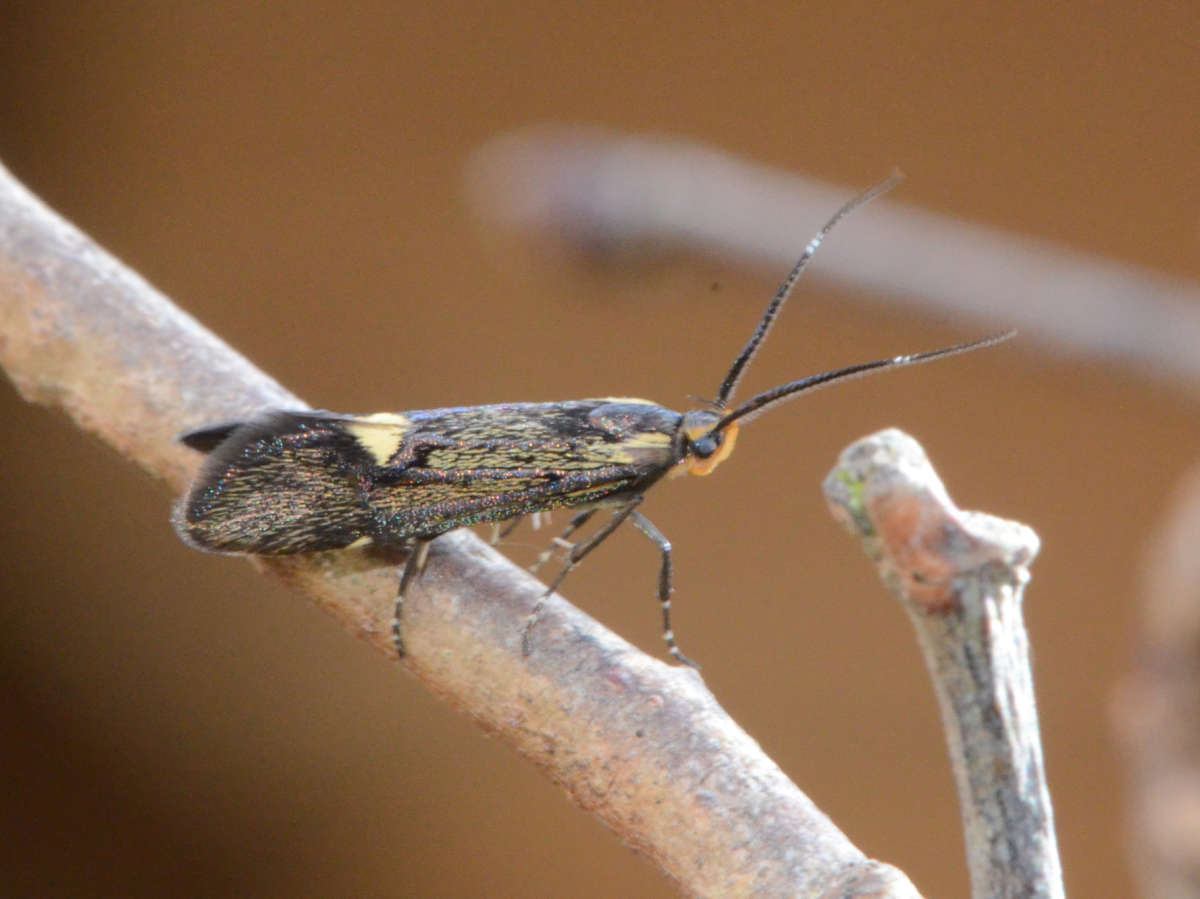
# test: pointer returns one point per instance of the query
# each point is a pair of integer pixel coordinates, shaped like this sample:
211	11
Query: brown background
292	174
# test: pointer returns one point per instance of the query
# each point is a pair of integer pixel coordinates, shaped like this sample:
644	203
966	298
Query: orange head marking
708	446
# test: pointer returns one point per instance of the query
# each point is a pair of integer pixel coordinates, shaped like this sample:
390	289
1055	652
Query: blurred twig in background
613	194
1156	708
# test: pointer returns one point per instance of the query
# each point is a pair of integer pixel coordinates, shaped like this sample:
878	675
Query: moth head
706	443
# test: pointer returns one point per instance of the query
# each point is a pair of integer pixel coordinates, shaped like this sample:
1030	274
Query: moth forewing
291	482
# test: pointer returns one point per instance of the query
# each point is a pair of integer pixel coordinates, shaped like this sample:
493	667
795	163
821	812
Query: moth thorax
708	448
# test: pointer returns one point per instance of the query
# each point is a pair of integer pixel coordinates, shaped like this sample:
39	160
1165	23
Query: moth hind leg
575	554
413	566
563	539
501	531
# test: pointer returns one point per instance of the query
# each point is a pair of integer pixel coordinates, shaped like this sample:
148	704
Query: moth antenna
729	385
755	407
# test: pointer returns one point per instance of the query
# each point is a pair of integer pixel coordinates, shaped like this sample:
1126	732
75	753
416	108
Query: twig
1156	712
627	195
959	576
640	743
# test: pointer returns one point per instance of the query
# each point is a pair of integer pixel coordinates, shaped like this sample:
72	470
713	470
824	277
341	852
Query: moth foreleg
413	566
502	532
575	555
643	524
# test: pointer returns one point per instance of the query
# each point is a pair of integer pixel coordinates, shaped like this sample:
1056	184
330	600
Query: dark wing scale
300	482
437	506
491	463
284	483
578	434
208	439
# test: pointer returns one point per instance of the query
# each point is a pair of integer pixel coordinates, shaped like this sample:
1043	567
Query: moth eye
706	445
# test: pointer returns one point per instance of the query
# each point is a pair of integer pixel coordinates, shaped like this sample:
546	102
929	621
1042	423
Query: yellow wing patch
380	434
627	449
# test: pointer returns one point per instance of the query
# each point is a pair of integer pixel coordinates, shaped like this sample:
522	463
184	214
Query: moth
306	481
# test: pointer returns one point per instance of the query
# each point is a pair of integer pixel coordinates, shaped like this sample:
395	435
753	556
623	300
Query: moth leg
413	566
643	524
501	533
574	557
561	540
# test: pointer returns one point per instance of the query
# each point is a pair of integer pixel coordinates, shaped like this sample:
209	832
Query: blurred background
293	175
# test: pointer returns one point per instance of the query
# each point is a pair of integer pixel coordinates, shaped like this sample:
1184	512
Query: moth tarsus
304	481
